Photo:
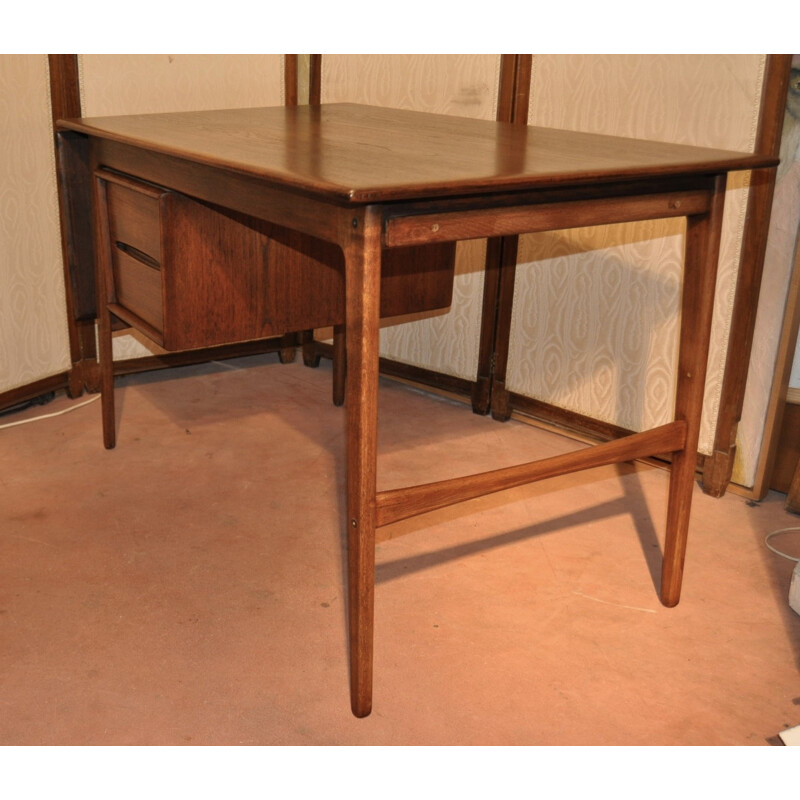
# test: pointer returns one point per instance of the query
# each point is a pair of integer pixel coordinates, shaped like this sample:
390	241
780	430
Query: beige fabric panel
143	84
34	343
460	85
596	310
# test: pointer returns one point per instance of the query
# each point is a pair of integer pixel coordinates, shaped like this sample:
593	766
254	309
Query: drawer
190	275
133	252
138	288
133	217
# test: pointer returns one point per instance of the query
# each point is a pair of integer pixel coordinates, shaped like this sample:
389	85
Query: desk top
366	154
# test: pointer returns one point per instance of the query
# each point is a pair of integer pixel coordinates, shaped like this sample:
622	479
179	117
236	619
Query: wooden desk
368	180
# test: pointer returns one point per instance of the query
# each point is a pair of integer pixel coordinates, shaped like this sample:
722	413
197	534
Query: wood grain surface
362	154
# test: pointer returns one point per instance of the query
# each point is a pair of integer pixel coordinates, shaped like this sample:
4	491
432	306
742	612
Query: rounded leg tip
670	599
360	712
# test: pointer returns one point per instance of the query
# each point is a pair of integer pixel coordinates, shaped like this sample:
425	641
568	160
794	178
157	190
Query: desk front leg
362	252
697	307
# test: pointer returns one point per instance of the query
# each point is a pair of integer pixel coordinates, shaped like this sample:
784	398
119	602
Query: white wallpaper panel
445	342
591	319
144	84
34	342
460	85
611	355
708	100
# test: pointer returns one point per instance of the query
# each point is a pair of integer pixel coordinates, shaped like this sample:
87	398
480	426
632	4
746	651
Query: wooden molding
30	391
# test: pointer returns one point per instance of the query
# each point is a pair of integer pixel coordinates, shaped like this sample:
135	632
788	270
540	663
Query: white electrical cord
84	403
53	414
774	550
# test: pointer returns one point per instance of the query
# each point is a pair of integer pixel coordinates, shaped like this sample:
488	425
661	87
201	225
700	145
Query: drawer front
138	288
133	217
134	251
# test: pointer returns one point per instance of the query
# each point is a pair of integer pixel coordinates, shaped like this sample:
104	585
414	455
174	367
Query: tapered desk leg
106	379
339	364
104	340
699	281
362	288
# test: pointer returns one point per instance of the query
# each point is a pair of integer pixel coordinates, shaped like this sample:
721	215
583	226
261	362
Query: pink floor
188	586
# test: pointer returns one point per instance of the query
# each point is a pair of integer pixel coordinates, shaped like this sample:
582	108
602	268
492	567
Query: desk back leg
107	379
697	307
104	297
339	364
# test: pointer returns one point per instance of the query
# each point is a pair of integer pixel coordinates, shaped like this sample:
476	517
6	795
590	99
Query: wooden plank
223	188
455	226
396	504
357	154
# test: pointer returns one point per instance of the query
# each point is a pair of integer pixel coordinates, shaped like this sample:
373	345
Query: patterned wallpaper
461	85
142	84
33	322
